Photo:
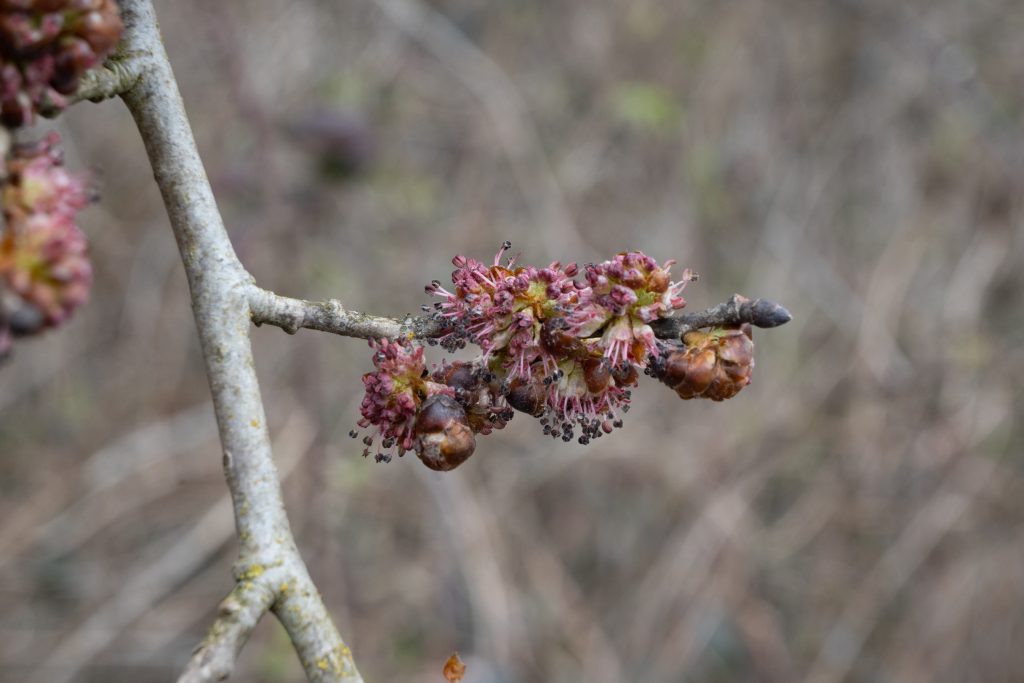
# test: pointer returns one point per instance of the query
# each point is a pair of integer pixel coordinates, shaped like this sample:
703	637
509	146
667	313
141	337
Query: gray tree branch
330	316
270	573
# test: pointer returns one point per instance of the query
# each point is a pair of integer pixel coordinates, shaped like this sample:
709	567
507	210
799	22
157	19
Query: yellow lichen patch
283	588
253	572
255	422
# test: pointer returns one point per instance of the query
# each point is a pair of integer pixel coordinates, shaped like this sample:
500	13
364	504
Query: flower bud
459	375
596	374
557	339
527	397
715	364
444	439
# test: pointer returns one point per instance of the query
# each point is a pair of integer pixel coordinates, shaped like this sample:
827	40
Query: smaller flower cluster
436	415
45	47
45	272
563	345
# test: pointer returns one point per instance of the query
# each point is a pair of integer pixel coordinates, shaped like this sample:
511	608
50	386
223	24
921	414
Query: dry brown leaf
454	669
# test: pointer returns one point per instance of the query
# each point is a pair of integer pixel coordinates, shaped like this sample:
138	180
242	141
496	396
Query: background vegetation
855	514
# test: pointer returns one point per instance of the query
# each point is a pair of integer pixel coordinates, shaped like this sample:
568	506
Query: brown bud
527	397
659	281
625	375
445	440
596	374
459	375
714	365
556	340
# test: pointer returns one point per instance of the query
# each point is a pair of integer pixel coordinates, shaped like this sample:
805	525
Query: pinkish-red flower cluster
560	344
45	272
45	47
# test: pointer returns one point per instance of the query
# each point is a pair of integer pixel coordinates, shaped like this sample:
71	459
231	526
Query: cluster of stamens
561	344
45	48
45	272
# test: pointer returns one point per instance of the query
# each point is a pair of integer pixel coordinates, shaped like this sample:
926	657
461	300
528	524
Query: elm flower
45	47
478	391
44	267
627	293
395	390
564	350
502	308
584	391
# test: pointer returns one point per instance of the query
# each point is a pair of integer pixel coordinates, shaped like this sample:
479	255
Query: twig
118	75
219	286
291	315
143	450
735	311
504	104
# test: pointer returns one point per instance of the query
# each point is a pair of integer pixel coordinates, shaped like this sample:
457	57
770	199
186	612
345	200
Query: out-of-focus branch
149	581
330	316
270	573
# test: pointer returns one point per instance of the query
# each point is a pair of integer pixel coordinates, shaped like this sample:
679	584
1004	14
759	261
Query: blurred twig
143	448
919	538
151	583
504	104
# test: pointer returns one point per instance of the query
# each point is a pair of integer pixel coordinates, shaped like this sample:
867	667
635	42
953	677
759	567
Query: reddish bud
45	47
556	338
596	374
445	440
527	397
459	376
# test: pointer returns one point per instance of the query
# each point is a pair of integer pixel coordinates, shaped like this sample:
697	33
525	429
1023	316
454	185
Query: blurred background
857	514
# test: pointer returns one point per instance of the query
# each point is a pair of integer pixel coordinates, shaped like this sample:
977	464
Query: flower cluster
45	272
560	344
45	47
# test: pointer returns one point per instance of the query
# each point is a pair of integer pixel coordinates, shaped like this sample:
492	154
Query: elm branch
291	315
